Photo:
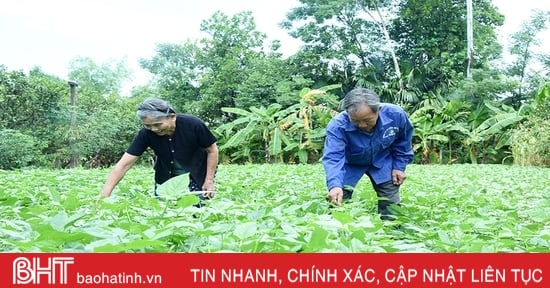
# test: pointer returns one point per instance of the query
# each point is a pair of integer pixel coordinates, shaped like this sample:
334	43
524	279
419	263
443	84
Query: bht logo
27	271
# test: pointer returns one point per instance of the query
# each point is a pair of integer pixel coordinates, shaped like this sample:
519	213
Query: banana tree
259	125
495	127
307	120
454	111
429	131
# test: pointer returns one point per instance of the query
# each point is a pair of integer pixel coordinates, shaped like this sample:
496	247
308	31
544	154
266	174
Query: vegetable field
277	208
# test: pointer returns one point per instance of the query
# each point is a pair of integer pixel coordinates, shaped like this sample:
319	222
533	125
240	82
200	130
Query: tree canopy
261	104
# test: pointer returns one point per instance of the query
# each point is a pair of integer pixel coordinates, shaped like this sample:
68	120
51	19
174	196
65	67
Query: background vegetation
266	108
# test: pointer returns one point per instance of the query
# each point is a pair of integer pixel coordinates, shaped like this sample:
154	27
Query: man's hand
335	196
398	177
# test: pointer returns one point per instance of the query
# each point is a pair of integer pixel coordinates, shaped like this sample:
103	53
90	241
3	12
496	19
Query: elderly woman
182	143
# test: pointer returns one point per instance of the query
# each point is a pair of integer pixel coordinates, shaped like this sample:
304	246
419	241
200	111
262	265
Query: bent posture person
182	143
370	138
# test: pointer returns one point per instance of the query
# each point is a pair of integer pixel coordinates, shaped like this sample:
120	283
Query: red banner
275	270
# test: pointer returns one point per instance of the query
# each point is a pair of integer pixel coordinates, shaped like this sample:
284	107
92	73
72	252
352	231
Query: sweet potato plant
277	208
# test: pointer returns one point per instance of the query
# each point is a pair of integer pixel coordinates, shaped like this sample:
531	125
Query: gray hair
154	108
358	97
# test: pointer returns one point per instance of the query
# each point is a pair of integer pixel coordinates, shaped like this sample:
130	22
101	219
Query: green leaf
237	111
245	230
343	218
174	187
318	240
275	143
188	200
59	220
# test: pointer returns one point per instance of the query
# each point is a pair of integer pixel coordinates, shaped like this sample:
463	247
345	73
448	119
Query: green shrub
531	141
18	150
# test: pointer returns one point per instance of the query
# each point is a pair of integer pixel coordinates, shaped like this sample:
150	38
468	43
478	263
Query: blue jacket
349	152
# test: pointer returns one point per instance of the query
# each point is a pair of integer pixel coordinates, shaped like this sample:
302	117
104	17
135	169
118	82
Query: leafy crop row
277	208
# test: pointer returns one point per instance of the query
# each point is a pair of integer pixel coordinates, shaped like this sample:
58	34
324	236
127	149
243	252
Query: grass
278	208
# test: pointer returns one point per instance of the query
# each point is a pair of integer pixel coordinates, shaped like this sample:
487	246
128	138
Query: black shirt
182	152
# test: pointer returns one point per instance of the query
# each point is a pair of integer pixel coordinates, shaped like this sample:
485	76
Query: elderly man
370	138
